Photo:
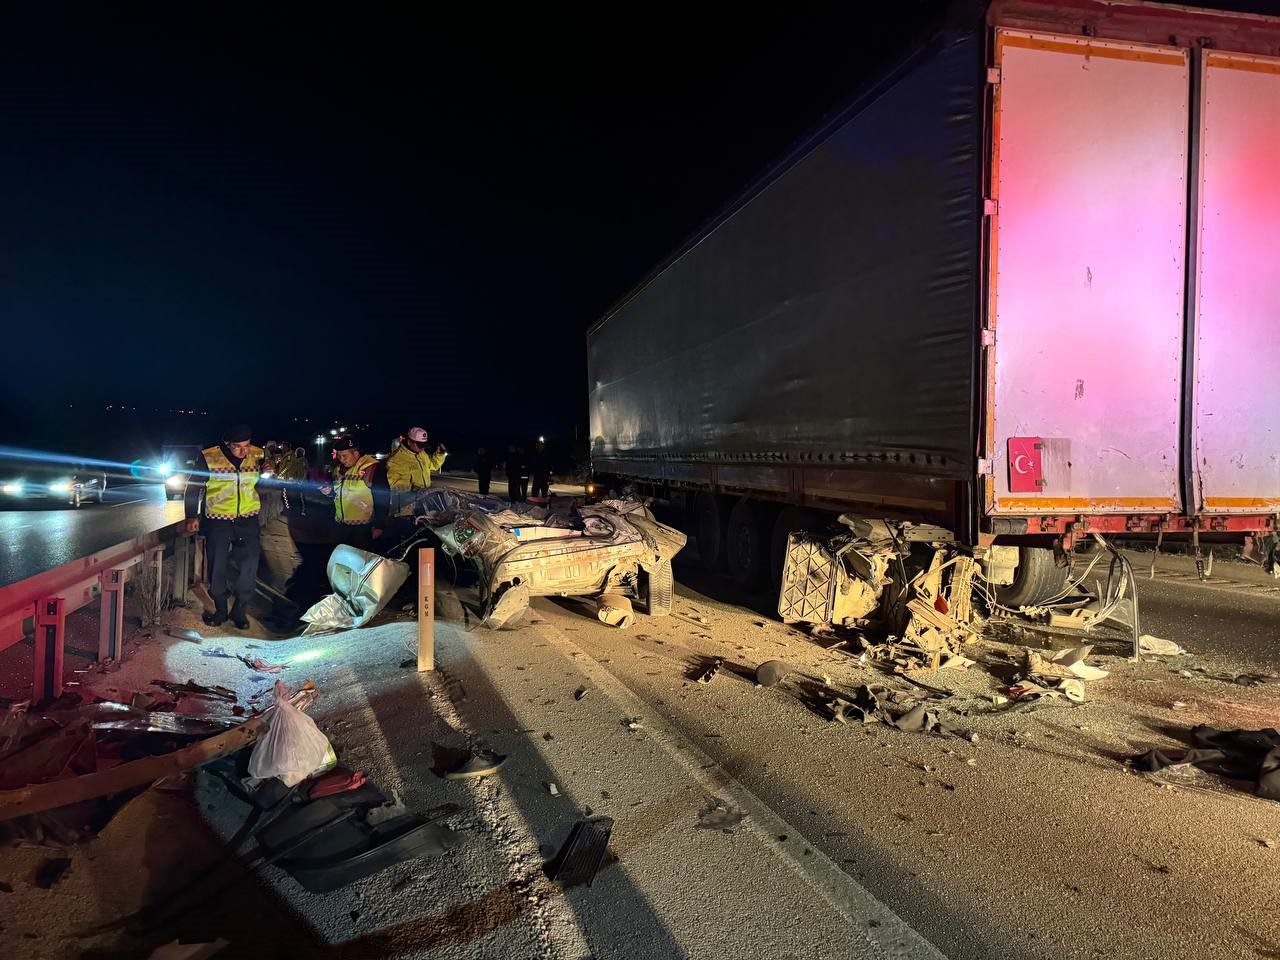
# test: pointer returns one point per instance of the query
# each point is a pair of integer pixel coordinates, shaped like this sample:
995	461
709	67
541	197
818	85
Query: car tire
659	590
1036	579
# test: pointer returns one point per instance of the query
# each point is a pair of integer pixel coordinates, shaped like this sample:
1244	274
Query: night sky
397	216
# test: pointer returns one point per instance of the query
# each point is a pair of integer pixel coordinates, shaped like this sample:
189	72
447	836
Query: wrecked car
609	551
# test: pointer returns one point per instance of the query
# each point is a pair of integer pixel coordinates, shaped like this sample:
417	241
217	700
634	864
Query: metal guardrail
46	599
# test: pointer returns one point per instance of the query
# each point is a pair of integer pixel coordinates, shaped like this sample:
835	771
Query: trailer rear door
1087	275
1237	286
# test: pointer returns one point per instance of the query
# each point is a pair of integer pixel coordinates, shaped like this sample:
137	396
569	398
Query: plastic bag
293	747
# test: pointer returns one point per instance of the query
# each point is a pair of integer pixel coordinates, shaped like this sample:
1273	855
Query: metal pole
181	569
111	619
50	633
426	609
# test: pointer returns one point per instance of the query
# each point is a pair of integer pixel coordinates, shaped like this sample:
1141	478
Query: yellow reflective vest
408	472
232	492
353	492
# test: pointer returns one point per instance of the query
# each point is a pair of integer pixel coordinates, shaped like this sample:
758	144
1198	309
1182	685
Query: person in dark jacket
484	471
540	469
515	467
226	478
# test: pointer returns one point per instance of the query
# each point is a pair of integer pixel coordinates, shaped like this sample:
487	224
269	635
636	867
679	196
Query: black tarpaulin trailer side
832	315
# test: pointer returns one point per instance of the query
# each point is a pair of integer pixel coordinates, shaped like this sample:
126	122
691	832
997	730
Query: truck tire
660	590
788	521
748	545
1037	578
708	528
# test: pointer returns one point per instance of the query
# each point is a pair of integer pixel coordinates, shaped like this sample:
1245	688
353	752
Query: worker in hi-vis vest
354	508
226	478
409	473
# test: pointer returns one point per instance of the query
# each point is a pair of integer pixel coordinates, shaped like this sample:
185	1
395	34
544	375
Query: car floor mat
353	850
305	816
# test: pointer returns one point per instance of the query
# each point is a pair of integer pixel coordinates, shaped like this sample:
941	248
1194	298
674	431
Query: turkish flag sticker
1026	469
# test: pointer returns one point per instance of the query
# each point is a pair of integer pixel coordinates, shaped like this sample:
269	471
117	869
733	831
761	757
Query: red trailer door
1237	287
1087	275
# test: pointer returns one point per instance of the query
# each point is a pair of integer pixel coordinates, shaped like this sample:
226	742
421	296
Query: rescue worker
540	469
484	471
515	467
409	470
354	508
226	477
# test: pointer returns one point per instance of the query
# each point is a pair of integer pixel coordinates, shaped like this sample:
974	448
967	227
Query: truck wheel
660	590
708	526
747	539
789	520
1037	578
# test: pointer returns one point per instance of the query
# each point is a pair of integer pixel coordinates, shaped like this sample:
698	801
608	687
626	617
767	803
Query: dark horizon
406	217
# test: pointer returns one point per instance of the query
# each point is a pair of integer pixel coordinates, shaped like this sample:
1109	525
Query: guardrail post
111	618
155	557
51	621
200	573
181	569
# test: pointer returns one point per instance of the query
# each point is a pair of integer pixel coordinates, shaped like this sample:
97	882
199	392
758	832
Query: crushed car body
568	548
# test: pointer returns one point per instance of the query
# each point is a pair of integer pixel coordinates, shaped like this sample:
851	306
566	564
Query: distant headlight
13	488
174	481
165	470
62	486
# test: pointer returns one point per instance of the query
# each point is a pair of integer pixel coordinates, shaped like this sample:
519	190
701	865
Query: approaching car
72	484
174	469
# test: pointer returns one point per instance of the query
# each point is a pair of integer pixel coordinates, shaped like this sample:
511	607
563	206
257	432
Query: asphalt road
36	537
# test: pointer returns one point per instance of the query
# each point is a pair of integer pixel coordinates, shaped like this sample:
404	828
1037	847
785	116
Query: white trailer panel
1237	304
1089	171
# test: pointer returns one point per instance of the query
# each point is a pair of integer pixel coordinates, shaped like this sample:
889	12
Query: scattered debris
191	688
582	854
632	723
1245	755
182	633
719	815
615	609
117	779
293	748
770	673
580	693
472	765
709	672
553	789
363	583
1268	843
1158	647
262	666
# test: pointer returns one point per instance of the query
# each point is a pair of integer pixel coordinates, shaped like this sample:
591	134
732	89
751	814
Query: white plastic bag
293	747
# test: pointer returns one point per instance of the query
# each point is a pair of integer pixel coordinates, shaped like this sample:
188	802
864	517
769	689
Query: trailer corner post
426	609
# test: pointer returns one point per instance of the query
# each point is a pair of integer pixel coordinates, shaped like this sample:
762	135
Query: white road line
892	937
127	502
